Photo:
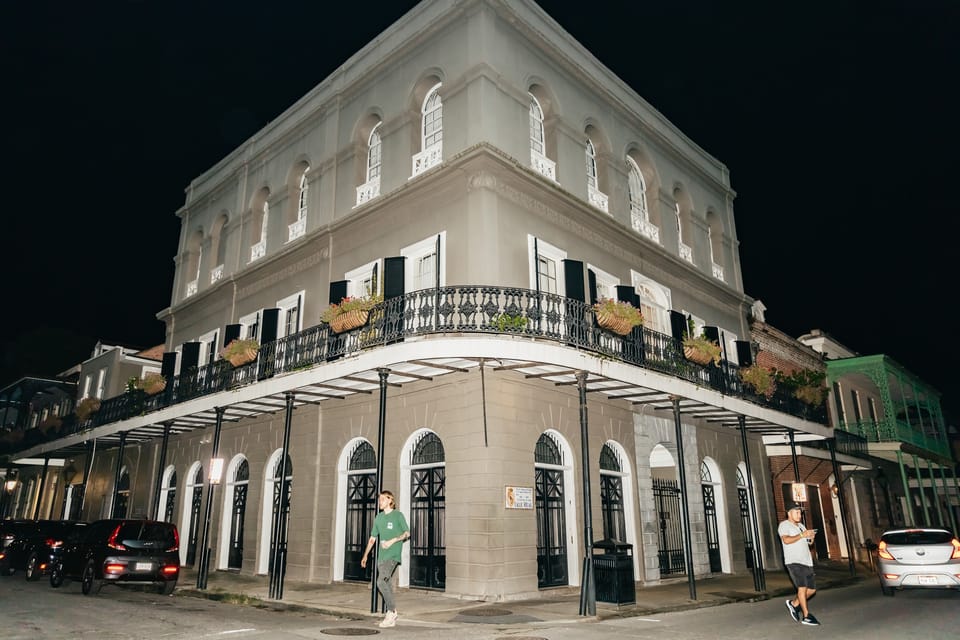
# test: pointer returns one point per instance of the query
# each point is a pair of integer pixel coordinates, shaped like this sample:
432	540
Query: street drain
349	631
486	611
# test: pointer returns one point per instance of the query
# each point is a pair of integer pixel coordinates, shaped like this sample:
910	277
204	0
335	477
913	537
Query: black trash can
613	572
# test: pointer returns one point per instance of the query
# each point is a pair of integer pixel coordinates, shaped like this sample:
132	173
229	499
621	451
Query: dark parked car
11	529
36	547
120	552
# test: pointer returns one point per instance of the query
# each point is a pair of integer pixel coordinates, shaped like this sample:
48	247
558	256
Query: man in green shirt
391	527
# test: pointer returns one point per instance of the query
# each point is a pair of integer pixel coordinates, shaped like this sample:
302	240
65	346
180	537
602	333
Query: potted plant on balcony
760	379
509	322
85	408
805	385
350	313
152	384
616	316
701	349
240	352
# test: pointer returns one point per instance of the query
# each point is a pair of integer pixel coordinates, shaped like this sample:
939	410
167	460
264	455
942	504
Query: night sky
837	121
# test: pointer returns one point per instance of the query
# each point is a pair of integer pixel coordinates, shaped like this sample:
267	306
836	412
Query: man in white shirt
796	540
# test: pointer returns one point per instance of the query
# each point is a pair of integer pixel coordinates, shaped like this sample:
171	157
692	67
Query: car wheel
887	591
167	587
56	576
32	570
89	583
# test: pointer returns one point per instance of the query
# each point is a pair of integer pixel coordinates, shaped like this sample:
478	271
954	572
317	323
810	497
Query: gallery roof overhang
419	359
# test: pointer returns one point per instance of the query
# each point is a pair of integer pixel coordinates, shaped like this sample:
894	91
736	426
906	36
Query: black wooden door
710	519
237	514
428	559
747	526
196	499
361	510
551	529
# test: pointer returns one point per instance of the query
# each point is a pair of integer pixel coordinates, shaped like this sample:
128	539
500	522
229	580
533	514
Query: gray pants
385	571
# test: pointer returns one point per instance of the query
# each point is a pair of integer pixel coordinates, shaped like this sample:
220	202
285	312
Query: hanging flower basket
616	316
695	355
153	383
349	320
240	352
701	350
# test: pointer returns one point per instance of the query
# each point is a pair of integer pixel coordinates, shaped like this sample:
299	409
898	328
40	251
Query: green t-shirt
388	526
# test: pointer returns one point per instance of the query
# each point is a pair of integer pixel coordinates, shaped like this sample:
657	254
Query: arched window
638	195
536	128
302	199
373	154
432	114
591	164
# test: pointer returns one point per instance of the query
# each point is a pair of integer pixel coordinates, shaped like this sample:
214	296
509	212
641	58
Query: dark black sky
837	120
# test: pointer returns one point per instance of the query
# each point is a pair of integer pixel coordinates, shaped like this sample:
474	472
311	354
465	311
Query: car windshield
918	537
146	534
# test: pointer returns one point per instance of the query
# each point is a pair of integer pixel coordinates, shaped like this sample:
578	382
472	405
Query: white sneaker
389	620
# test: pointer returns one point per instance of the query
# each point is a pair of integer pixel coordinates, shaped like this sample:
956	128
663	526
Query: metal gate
710	519
551	529
611	495
241	479
747	525
666	493
361	510
279	538
428	559
195	502
168	508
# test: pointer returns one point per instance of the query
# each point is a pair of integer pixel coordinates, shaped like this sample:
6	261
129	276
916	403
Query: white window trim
101	382
607	280
205	340
249	320
286	304
422	248
655	295
547	250
730	346
356	277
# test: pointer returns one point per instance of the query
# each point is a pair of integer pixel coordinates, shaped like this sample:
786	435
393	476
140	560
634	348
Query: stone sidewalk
554	606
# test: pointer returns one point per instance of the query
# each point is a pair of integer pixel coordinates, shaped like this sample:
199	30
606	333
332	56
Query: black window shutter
712	333
231	332
573	279
626	293
592	284
169	365
189	356
268	327
744	353
393	275
338	291
678	324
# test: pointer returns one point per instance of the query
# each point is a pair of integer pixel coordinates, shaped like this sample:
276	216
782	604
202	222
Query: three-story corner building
490	179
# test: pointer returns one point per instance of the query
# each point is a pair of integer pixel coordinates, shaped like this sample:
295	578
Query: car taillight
882	551
170	569
2	555
176	541
54	544
112	540
114	568
956	549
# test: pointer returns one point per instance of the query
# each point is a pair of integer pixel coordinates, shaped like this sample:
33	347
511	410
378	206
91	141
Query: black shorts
802	576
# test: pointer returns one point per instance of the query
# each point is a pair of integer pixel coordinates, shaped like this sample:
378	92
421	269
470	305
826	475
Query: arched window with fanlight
361	509
431	132
428	552
371	187
538	148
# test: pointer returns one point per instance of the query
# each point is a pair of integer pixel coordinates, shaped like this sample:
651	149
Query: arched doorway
712	490
270	537
360	508
235	509
746	519
190	517
428	561
555	545
616	498
168	494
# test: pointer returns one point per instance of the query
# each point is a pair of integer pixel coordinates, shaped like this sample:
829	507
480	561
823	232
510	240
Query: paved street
35	611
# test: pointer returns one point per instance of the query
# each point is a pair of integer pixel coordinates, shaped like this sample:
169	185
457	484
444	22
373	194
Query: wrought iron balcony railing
455	310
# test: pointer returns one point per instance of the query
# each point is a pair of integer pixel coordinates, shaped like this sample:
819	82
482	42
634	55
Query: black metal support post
759	576
43	482
681	469
383	373
160	466
279	570
116	473
793	456
832	446
87	468
588	593
205	543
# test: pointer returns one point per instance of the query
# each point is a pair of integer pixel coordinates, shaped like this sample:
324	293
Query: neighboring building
913	481
487	176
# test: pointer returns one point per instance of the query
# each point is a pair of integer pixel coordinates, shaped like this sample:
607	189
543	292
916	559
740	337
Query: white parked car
918	559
